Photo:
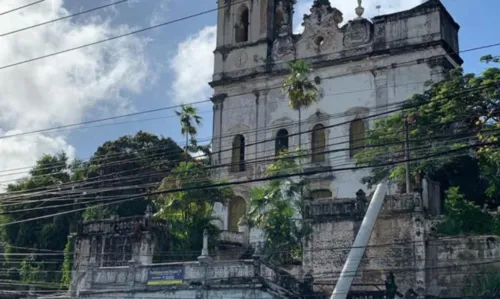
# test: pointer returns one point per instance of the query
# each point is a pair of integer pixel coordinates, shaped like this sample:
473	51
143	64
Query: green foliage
450	115
300	91
189	212
278	208
68	261
141	160
485	285
188	117
47	233
28	272
464	217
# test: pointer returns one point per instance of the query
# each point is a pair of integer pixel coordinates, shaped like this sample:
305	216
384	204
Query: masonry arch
243	24
318	143
238	154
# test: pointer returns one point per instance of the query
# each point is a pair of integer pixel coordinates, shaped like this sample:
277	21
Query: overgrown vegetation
465	217
453	127
278	209
188	212
68	261
485	285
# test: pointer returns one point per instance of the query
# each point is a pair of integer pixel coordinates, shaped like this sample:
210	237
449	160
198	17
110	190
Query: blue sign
166	276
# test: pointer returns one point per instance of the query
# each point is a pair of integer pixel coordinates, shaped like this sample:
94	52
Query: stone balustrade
136	276
355	208
233	238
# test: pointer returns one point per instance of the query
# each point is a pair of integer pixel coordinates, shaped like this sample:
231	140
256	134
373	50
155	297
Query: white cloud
160	12
347	8
193	66
62	89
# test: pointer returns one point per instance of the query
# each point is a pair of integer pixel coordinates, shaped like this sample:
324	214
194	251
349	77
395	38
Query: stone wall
453	261
226	278
396	243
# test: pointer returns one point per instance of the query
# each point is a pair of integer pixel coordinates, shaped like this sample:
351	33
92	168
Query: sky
159	68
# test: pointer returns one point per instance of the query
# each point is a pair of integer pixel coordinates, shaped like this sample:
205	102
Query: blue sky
154	69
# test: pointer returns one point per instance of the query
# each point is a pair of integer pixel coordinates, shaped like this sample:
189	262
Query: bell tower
246	30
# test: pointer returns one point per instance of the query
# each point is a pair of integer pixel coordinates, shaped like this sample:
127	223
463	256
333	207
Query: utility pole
407	153
360	242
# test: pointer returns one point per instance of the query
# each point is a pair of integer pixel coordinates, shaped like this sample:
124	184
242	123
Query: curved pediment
321	30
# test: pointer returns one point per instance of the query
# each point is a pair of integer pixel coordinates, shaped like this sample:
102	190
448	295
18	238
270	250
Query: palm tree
187	116
299	90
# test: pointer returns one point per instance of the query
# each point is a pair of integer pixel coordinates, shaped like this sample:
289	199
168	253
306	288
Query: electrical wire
193	103
344	123
21	7
63	18
240	182
265	159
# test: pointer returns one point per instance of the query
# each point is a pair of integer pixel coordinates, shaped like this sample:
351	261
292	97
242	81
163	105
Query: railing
161	275
280	278
401	203
356	208
232	237
126	225
336	208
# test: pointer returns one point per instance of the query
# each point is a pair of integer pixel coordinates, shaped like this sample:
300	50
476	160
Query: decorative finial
360	10
204	257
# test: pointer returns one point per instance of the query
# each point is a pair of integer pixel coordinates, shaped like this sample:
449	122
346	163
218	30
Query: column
381	88
217	126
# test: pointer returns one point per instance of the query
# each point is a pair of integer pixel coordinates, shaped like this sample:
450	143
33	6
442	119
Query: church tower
246	30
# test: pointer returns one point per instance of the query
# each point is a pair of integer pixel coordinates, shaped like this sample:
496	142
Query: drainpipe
358	248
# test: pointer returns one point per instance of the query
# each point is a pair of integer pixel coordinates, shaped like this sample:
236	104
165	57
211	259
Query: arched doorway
237	208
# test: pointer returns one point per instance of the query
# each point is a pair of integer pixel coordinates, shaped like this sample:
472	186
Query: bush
464	217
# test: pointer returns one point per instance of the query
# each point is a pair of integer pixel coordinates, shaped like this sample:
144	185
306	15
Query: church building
362	68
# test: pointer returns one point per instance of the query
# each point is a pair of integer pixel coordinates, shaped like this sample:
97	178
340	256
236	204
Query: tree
189	212
457	116
187	116
299	90
278	208
137	162
51	233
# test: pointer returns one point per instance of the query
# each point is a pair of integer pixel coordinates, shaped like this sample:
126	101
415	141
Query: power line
175	106
21	7
224	184
62	18
121	180
113	37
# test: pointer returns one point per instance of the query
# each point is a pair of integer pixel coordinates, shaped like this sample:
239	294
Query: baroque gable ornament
321	27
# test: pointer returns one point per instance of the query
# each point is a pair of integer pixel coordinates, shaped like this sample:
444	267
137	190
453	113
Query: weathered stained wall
365	67
453	261
396	243
247	291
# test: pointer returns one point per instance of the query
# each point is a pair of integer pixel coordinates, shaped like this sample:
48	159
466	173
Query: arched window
318	144
356	136
237	208
238	157
321	194
243	25
281	141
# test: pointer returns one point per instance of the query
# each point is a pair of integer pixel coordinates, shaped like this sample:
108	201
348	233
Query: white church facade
362	68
